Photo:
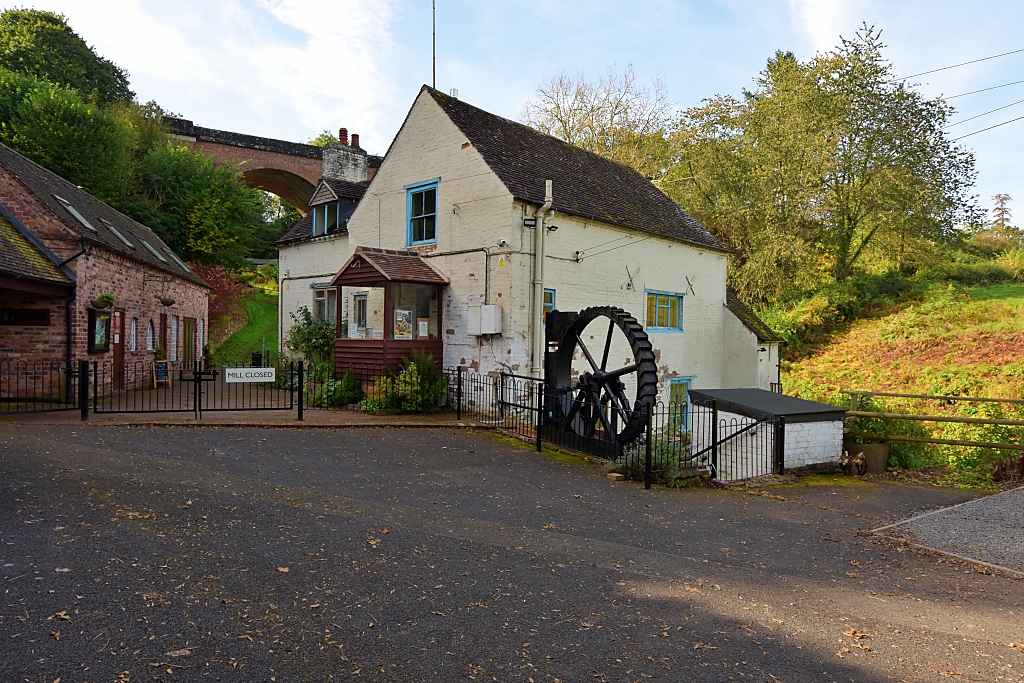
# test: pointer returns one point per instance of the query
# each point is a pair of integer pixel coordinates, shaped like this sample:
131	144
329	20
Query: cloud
824	20
278	68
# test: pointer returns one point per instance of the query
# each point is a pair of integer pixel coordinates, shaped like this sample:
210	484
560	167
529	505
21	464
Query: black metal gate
173	387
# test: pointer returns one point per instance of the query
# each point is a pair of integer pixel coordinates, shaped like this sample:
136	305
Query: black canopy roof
758	403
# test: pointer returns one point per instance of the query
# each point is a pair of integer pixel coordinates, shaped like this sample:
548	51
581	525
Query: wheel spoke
607	344
586	352
621	371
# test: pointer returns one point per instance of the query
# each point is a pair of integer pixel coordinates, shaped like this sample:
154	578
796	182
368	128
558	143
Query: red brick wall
137	287
291	177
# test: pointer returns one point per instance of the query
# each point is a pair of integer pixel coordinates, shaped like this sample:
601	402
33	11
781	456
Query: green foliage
208	212
54	127
827	165
263	277
107	298
41	44
902	454
259	332
312	337
350	390
278	218
325	137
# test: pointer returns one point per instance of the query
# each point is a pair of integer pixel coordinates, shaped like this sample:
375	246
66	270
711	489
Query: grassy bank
261	312
950	340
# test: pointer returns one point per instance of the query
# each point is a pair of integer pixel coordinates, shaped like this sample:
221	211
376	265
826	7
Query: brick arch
293	188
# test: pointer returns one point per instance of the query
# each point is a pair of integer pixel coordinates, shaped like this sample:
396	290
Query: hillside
950	340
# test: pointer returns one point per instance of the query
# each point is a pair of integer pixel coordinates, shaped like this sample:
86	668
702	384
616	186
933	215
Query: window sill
664	330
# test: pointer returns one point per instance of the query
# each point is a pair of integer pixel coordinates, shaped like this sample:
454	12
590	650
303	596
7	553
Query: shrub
312	337
350	391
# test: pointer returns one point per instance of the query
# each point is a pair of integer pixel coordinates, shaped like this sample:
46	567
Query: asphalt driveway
138	554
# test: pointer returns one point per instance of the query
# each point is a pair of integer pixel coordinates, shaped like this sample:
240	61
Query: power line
989	128
953	66
991	111
973	92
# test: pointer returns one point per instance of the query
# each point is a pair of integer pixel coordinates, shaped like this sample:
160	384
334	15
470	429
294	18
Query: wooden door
188	343
117	345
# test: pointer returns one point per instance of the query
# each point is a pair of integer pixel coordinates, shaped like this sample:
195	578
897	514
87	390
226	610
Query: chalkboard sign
161	373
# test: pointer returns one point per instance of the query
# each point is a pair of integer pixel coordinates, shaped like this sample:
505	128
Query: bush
312	337
350	391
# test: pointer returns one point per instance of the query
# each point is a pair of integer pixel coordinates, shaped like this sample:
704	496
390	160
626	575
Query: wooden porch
382	352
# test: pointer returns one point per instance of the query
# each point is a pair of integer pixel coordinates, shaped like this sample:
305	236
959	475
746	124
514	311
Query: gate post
197	391
540	412
458	393
95	383
714	438
780	444
647	456
302	382
83	388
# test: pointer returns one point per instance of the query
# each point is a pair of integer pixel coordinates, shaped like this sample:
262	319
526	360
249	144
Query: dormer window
325	219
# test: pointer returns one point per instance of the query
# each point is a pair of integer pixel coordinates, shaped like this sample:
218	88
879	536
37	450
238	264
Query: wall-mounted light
501	242
552	228
529	222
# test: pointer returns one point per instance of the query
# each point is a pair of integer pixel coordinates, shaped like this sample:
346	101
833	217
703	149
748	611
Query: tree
1001	212
41	44
208	212
325	137
613	116
824	162
54	127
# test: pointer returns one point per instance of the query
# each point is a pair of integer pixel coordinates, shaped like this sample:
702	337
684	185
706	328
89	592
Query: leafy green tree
208	212
824	163
41	44
325	137
54	127
278	218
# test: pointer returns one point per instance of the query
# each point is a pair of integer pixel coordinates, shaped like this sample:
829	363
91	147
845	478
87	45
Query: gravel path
989	529
182	554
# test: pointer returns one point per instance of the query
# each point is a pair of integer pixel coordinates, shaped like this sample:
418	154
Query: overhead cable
953	66
973	92
989	128
991	111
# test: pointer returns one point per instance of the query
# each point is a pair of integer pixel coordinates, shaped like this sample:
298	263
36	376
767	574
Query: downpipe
540	214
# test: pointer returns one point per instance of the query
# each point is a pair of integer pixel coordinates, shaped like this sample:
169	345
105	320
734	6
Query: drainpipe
540	214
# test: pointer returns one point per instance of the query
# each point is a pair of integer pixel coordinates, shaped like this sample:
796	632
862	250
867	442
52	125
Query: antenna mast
433	42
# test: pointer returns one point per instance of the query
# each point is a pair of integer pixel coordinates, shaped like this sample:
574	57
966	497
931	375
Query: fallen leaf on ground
62	570
946	672
854	633
283	570
184	652
245	637
692	589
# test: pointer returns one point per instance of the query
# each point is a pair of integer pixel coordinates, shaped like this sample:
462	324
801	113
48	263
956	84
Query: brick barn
61	250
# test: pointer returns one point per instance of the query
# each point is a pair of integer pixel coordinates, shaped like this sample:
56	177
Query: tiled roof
21	258
585	184
392	265
340	189
750	319
107	223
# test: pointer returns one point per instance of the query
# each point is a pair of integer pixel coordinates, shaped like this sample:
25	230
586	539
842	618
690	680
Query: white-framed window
150	336
359	310
664	311
422	213
173	351
325	303
133	335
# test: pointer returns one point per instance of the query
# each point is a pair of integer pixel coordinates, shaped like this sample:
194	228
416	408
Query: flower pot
96	303
167	300
876	456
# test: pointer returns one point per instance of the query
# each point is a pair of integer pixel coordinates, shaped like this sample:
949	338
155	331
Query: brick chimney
344	161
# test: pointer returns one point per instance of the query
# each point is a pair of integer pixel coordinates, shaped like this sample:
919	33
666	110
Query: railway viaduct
291	170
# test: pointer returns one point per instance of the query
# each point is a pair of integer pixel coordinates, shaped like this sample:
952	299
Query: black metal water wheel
596	403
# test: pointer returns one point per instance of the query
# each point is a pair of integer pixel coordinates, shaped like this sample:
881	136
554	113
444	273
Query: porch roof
369	267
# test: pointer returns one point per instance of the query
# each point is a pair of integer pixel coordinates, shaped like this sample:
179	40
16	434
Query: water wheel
594	400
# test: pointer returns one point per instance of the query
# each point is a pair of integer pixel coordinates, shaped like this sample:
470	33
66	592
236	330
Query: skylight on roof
74	212
117	234
174	257
152	251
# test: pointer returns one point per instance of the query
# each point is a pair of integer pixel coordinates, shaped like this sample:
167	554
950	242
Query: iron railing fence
148	386
678	439
39	385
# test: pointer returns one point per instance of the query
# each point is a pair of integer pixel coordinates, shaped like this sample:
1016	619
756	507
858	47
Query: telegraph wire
974	92
991	111
989	128
953	66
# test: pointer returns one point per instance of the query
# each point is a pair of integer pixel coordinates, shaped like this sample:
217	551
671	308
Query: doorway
117	344
188	332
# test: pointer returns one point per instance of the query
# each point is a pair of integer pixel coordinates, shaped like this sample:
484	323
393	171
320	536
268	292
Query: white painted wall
813	443
304	264
745	365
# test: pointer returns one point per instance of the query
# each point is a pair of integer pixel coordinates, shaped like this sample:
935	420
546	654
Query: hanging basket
99	304
167	300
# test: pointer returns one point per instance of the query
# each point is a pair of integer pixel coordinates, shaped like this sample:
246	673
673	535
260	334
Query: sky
289	69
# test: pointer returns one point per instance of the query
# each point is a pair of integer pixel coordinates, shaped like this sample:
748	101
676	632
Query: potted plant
159	353
167	300
105	300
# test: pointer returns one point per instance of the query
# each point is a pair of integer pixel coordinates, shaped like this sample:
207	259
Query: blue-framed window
421	213
664	311
549	303
325	218
679	402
